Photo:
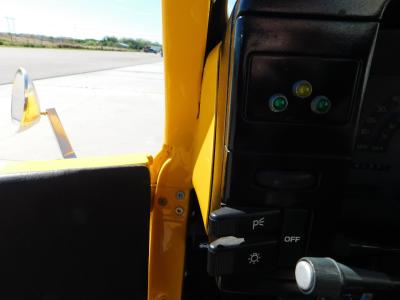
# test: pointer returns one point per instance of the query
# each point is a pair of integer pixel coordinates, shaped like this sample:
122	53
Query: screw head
180	195
179	210
162	201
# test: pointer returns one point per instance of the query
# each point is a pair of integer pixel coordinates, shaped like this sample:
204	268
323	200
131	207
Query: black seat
75	234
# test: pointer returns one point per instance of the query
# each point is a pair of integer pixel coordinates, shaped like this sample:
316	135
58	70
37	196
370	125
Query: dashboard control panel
310	151
300	89
371	197
380	119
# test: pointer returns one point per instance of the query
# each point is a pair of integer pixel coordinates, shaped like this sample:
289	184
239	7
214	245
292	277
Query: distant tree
91	42
110	41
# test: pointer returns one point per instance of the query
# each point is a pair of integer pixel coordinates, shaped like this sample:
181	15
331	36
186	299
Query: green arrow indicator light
278	103
321	105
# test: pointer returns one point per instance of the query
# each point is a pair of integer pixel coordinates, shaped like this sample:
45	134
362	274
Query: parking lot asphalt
48	63
116	111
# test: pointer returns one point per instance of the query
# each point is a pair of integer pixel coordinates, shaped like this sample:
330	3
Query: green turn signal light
321	105
302	89
278	103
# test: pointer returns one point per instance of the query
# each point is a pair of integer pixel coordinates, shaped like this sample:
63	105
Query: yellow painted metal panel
203	146
167	238
184	42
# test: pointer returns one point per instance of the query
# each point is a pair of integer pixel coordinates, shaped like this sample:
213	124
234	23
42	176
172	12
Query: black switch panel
285	180
228	221
227	256
269	75
294	236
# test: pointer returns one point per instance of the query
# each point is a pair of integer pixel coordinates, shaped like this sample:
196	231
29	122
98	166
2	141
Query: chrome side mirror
25	111
25	108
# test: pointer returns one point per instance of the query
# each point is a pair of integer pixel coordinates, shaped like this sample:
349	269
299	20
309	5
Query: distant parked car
152	49
149	50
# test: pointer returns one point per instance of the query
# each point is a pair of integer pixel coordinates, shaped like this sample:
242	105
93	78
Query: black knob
324	277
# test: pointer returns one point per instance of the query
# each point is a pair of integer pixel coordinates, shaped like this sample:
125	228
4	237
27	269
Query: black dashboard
311	144
371	202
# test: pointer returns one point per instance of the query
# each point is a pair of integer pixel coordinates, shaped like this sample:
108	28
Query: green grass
106	44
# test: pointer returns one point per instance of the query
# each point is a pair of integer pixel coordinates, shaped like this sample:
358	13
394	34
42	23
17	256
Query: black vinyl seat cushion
76	234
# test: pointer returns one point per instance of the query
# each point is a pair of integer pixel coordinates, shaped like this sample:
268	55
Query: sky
85	18
231	3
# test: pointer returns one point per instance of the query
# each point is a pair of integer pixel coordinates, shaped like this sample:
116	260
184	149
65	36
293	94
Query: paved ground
107	112
47	63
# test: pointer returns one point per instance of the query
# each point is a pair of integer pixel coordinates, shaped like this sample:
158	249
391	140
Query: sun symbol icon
254	258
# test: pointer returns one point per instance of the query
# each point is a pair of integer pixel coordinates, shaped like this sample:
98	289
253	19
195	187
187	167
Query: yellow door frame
185	26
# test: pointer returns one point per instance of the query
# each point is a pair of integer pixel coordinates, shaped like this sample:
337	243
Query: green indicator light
278	103
321	105
302	89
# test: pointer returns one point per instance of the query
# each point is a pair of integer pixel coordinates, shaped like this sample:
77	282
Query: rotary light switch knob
305	276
